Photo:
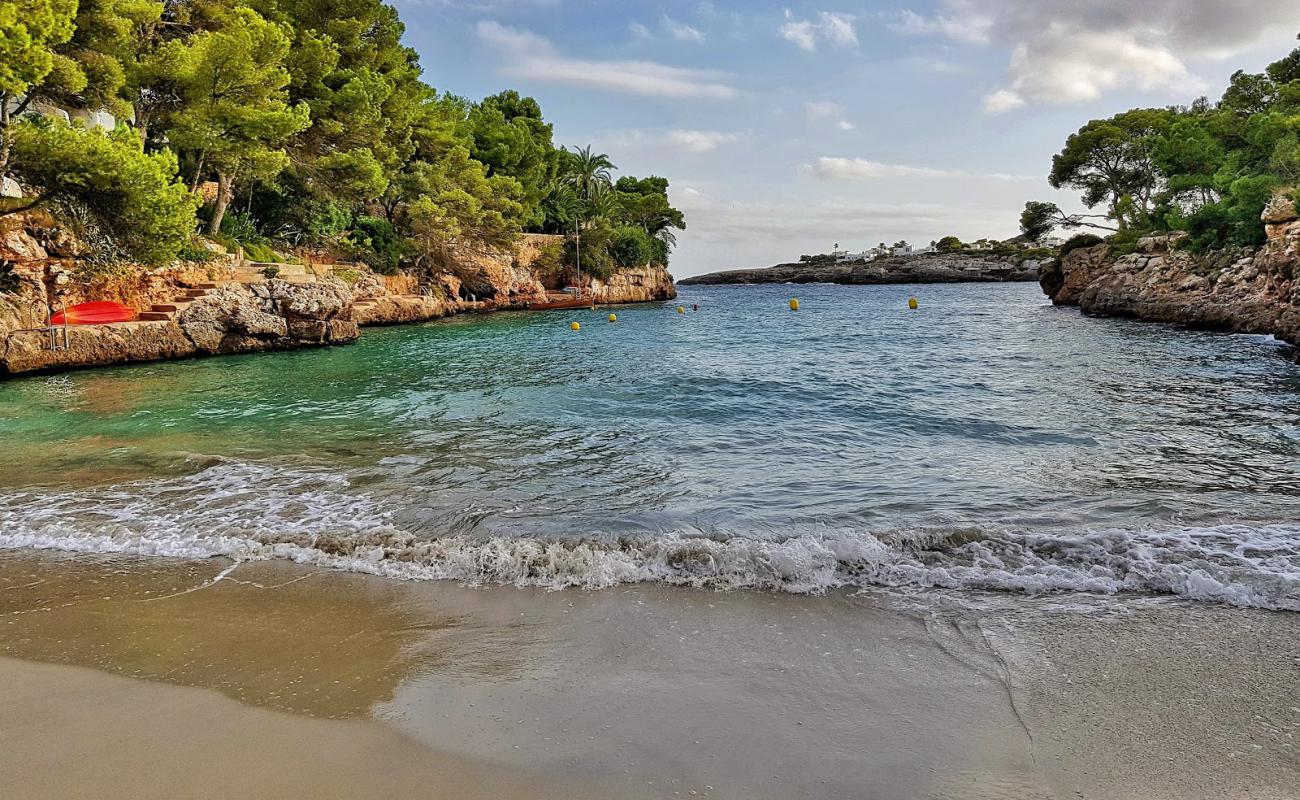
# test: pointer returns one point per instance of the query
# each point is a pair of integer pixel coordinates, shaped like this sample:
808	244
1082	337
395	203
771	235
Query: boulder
310	301
10	188
16	244
1281	209
226	318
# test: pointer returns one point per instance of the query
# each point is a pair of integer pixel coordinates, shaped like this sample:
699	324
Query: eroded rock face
231	319
95	345
227	319
640	285
1246	292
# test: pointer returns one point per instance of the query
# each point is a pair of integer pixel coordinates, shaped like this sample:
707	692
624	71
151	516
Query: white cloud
831	168
968	27
528	56
1002	100
832	27
681	31
675	141
639	31
1065	51
699	141
832	113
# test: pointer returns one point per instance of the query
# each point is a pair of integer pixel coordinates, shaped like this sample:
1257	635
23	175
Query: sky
786	128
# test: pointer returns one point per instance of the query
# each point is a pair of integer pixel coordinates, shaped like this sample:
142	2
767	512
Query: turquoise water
986	441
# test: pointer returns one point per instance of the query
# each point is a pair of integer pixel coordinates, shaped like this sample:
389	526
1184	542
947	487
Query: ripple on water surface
987	440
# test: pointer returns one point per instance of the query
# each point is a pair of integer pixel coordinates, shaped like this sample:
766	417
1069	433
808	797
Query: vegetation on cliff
1208	168
291	123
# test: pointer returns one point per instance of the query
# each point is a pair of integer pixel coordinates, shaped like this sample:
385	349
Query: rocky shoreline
224	307
1245	291
926	268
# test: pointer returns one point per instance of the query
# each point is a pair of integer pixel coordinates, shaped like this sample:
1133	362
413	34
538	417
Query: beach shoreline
277	680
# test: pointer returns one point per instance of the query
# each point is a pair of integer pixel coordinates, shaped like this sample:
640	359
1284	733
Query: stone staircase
162	312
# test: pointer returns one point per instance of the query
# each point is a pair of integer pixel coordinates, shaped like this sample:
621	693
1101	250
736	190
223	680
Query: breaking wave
252	512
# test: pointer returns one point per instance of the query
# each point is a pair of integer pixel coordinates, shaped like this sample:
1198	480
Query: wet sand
151	678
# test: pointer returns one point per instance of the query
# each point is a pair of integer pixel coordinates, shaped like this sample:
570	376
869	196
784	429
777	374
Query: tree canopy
1207	168
313	120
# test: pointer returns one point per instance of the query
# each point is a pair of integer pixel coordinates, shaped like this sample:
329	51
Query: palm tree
588	171
604	204
563	205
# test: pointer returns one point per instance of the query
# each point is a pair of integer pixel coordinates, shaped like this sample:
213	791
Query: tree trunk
4	133
198	172
224	194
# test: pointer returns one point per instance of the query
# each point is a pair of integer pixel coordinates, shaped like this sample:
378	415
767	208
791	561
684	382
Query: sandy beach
156	678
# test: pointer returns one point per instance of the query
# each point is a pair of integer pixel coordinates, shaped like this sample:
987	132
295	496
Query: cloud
675	140
732	222
970	28
1002	100
1066	51
830	168
528	56
828	112
639	31
832	27
681	31
699	141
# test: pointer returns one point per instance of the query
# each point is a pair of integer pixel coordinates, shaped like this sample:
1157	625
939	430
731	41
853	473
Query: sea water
985	441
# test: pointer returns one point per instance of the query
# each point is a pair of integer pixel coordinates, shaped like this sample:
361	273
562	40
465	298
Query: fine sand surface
166	679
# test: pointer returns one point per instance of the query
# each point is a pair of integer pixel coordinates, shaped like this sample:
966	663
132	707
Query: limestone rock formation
1242	291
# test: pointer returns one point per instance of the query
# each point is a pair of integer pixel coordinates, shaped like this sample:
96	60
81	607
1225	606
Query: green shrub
1080	241
596	259
375	241
134	195
243	229
630	246
260	252
550	259
194	252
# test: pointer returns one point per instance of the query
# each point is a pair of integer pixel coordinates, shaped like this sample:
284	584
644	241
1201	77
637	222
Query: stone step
205	286
194	294
154	316
173	307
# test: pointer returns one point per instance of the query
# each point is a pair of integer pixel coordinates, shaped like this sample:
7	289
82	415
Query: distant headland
948	260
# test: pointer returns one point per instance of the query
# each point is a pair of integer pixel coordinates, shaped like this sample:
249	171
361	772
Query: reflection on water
261	635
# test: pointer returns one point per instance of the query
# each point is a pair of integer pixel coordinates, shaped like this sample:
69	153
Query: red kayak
100	312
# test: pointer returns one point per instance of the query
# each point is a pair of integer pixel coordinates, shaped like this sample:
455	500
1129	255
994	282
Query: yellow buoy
681	310
613	317
575	326
912	304
794	304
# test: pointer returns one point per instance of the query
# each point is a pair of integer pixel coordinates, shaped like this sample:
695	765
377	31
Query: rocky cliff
927	268
1243	291
224	306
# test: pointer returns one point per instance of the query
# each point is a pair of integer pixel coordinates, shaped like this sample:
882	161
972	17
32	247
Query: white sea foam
252	512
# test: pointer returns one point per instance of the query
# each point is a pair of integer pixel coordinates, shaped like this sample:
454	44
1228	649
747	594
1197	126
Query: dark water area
985	441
